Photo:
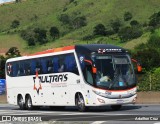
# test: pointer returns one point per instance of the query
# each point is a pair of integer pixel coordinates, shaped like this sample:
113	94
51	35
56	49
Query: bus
81	75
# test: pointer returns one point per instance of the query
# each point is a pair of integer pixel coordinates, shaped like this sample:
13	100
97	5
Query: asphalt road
146	114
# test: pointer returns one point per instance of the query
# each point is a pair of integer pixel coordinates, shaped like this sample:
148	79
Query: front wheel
116	107
29	105
80	103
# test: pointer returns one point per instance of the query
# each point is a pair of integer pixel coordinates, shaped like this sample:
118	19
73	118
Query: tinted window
44	65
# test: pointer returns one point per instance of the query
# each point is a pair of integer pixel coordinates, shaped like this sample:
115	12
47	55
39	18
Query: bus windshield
114	72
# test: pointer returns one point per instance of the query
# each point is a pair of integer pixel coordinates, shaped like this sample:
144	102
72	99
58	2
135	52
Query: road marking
98	122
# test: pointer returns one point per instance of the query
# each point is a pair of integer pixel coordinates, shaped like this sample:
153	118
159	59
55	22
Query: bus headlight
102	94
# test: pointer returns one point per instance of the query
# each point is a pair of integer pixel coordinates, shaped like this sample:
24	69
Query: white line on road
98	122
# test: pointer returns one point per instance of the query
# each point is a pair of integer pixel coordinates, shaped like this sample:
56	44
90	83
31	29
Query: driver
103	78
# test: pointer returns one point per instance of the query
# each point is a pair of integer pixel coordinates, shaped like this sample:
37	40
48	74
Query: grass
45	13
131	44
14	40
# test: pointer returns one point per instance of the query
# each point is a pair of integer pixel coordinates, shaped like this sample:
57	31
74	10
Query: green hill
45	14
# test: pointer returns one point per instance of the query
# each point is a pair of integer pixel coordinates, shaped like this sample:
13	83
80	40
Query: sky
4	1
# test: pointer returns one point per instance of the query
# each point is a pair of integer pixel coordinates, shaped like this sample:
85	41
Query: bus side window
61	64
70	64
27	67
44	66
15	69
49	66
55	64
20	68
38	67
33	67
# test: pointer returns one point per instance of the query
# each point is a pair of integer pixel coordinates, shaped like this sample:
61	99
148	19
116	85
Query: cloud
4	1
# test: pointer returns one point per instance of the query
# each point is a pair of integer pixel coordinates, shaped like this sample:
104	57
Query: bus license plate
120	101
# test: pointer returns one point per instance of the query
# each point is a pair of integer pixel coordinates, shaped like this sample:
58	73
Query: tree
128	33
134	23
2	67
64	18
149	57
99	29
54	32
40	35
155	19
115	24
31	42
79	22
13	52
154	41
127	16
15	24
17	1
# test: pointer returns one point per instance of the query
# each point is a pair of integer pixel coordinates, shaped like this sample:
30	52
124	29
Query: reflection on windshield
114	72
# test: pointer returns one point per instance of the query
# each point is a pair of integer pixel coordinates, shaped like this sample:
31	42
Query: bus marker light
101	100
134	100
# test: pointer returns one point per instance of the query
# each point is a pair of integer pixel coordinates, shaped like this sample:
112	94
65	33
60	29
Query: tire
28	103
21	102
116	107
80	103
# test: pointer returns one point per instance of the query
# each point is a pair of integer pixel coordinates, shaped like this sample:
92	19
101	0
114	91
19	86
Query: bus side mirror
139	68
94	70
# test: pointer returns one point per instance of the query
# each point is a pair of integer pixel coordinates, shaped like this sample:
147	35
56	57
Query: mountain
46	14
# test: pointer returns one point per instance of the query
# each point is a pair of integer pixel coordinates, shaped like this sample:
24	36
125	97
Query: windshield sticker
81	58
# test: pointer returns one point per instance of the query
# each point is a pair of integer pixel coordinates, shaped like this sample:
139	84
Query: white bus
80	75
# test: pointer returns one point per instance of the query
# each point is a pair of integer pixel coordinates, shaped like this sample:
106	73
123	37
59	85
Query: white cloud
4	1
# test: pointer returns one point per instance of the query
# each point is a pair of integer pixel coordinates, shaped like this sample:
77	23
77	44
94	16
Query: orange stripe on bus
54	50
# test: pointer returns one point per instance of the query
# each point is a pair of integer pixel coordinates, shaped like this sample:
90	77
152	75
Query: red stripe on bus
115	90
54	50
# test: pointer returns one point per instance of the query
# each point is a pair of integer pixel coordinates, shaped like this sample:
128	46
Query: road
147	114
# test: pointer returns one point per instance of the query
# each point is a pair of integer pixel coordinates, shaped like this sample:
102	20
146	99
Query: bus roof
87	48
100	48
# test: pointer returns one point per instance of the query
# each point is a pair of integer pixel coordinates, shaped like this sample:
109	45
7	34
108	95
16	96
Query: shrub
13	52
127	16
54	32
88	37
134	23
64	18
33	36
128	33
15	24
154	19
40	35
99	29
150	81
31	42
79	22
154	41
2	67
115	24
149	57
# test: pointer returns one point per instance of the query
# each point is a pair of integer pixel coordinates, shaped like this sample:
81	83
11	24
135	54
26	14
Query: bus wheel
29	105
116	107
80	103
21	102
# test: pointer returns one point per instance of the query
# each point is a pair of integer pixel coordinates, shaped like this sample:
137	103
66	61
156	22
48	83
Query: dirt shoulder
149	97
3	99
